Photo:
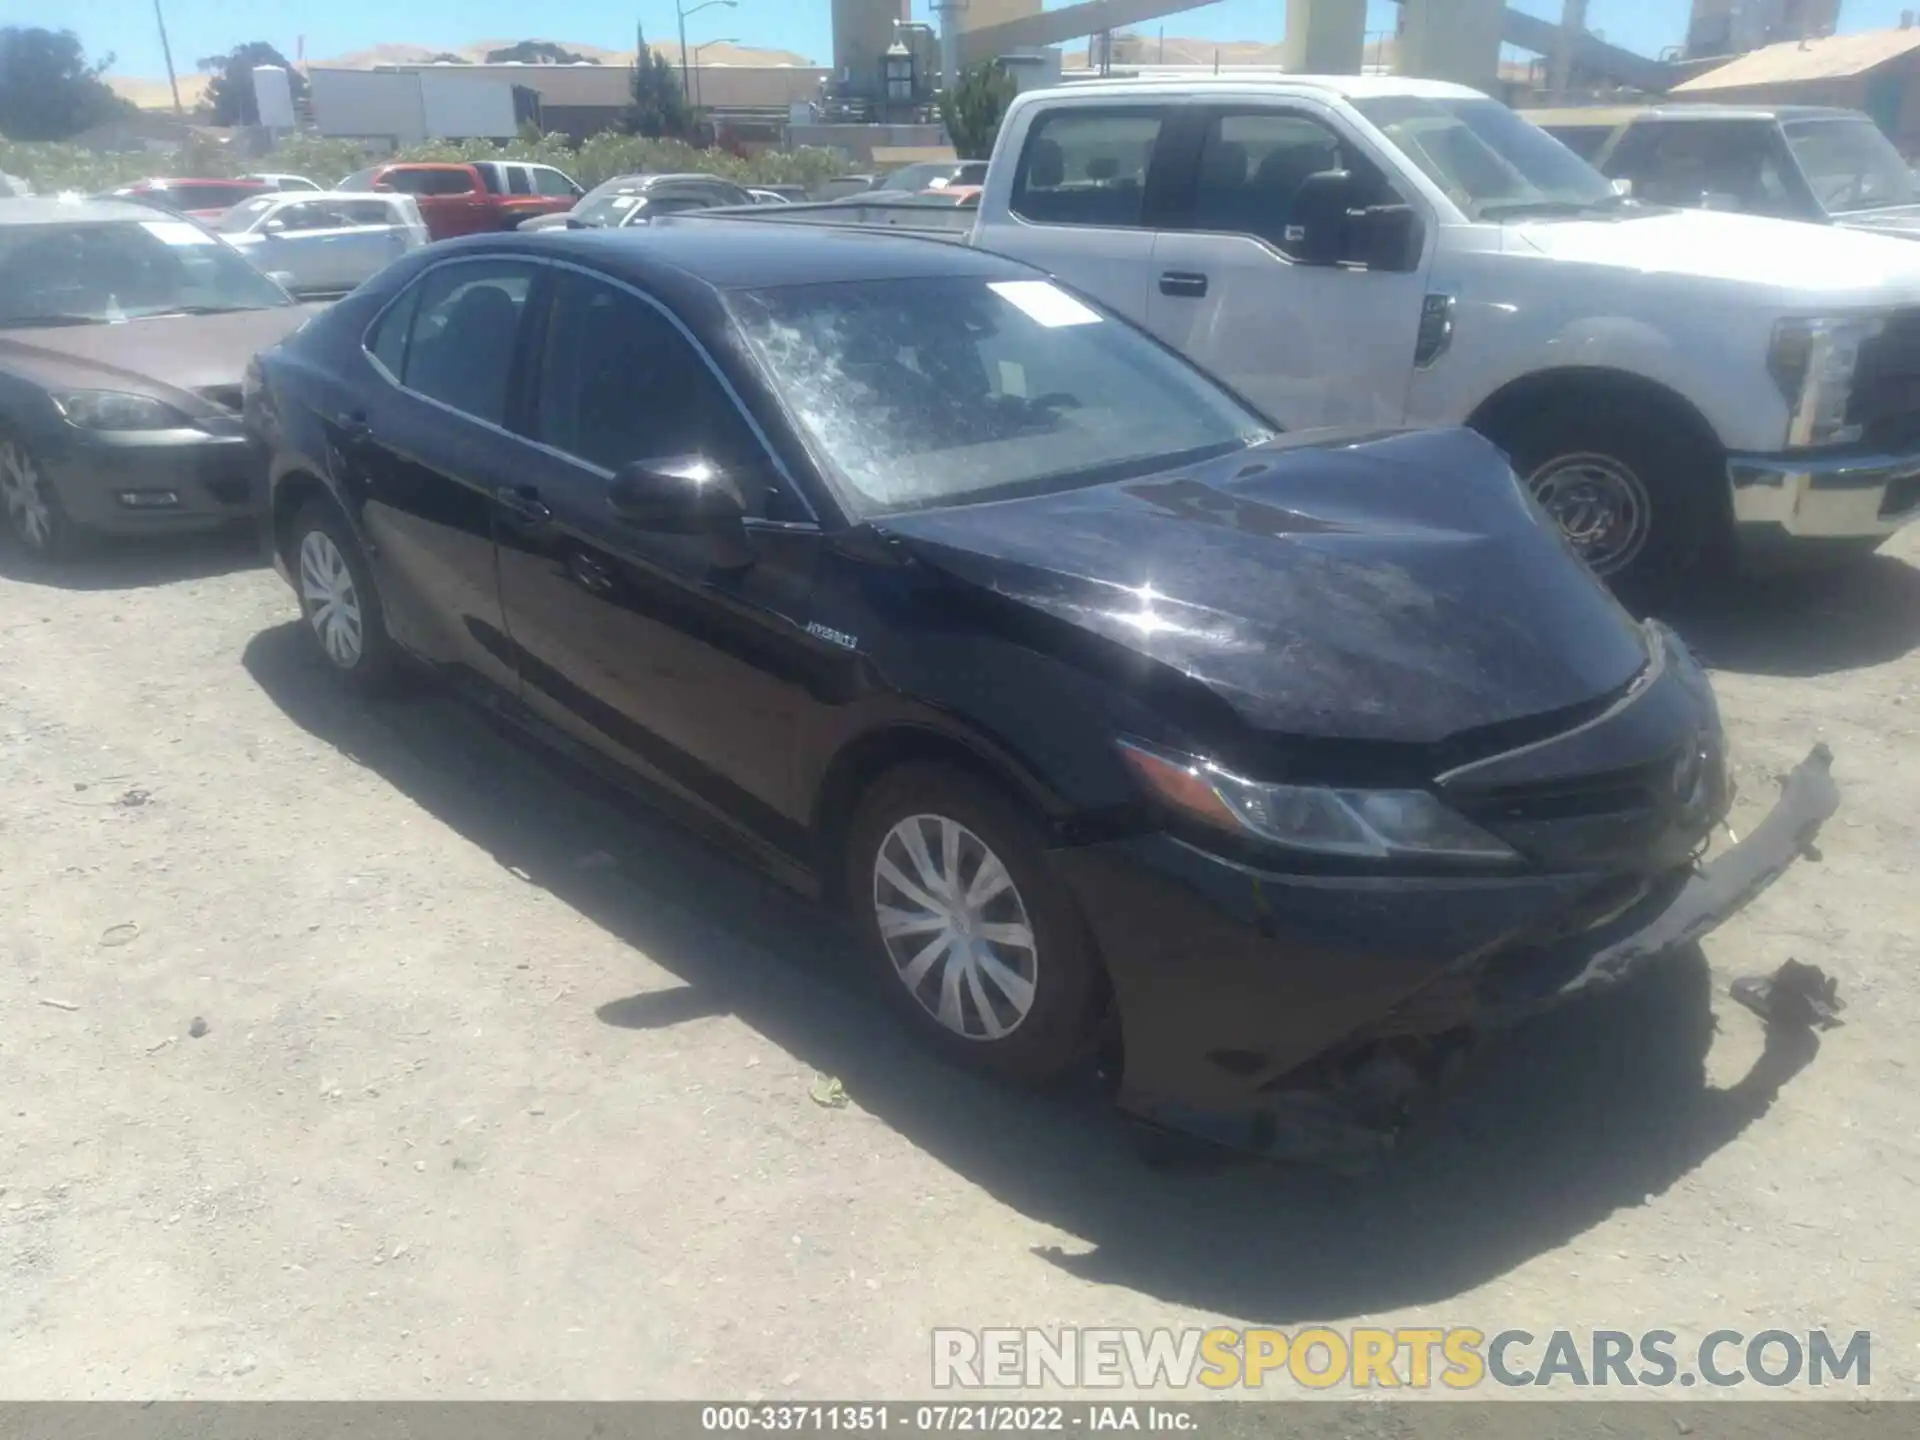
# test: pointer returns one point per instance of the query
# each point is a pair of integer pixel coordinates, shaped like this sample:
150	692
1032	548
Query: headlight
1812	361
116	410
1368	824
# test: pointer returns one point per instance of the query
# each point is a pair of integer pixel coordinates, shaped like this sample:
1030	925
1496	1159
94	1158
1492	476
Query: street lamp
729	40
686	88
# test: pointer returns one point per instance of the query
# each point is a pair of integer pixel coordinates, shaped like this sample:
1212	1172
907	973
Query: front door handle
524	504
1183	283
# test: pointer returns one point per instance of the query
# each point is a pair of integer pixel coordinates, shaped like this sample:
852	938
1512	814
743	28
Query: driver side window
619	383
1253	165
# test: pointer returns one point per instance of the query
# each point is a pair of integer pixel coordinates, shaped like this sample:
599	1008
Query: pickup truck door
1311	344
1085	198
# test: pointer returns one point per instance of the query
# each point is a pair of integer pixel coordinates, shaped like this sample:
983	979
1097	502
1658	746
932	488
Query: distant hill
152	94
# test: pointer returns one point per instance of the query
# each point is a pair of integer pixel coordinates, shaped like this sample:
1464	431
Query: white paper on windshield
1044	303
176	232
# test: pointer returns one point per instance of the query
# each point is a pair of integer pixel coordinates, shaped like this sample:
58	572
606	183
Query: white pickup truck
1383	251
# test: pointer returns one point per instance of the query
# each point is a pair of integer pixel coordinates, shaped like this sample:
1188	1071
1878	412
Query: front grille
227	397
1885	402
1644	787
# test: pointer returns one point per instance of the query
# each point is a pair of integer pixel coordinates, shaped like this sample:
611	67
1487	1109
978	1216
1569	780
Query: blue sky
333	27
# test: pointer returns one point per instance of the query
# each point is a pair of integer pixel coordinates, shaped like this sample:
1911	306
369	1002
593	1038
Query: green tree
973	108
447	57
659	108
230	93
537	52
48	90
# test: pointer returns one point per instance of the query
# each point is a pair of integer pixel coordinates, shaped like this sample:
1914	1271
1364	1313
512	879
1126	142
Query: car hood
1791	257
1400	588
170	356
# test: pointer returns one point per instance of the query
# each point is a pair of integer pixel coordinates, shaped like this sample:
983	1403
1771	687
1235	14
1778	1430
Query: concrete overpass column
1457	40
1325	37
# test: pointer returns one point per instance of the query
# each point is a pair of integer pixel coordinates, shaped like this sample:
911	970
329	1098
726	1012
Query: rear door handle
523	504
354	428
1184	283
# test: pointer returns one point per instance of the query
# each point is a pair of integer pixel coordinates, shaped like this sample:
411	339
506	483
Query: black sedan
1114	720
124	337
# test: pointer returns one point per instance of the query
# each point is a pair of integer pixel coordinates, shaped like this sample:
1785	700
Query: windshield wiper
193	310
1514	209
47	322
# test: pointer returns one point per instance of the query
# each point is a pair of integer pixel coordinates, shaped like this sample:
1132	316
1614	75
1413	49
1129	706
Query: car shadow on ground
1600	1106
116	563
1801	625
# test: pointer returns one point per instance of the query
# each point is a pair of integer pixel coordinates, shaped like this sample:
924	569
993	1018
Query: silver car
323	243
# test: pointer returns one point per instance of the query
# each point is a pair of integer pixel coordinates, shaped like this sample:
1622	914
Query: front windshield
80	273
1491	163
929	392
612	208
240	218
1851	165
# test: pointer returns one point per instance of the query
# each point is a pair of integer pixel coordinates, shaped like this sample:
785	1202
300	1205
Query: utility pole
949	12
166	50
1573	24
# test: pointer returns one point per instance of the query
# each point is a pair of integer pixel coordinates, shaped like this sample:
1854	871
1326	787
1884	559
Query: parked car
842	186
124	336
1672	384
12	187
636	199
1793	162
466	199
761	196
957	599
275	180
201	199
933	175
317	243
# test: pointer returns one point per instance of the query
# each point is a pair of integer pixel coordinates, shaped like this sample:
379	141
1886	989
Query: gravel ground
363	1051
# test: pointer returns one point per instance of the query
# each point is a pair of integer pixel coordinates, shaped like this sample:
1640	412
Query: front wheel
29	508
1637	501
975	940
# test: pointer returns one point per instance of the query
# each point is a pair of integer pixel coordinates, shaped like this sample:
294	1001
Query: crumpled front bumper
1231	985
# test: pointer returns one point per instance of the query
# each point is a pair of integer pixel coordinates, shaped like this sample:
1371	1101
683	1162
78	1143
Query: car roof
301	197
730	254
1611	115
424	165
1352	87
51	210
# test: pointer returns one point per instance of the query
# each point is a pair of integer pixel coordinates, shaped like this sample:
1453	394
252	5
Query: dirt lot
503	1088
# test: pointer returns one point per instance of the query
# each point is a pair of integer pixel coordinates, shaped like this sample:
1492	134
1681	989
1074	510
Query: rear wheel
977	943
339	600
28	506
1639	500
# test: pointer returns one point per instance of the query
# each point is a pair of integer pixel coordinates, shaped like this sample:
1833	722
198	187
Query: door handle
354	429
1183	283
524	504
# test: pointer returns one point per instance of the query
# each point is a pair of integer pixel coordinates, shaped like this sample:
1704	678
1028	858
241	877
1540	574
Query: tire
339	601
1063	983
1669	508
30	511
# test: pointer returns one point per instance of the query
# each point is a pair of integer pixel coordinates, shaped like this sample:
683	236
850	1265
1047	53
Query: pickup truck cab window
1088	166
1252	167
549	181
1851	165
518	181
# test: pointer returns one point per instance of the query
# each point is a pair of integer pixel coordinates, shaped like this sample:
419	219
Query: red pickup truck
466	199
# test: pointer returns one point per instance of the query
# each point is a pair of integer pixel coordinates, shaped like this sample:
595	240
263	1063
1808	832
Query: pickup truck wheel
975	941
1635	501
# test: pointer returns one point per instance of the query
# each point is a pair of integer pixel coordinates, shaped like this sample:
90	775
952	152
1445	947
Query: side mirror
1316	229
273	228
684	495
283	278
1623	187
1386	237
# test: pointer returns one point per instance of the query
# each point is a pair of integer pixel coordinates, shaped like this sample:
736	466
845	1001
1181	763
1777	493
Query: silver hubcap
333	605
28	513
955	927
1599	505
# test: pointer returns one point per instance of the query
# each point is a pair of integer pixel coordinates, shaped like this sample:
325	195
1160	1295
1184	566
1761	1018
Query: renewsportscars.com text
1363	1358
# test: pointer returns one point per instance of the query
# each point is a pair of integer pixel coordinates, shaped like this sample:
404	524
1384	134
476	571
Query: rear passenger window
461	343
367	212
548	181
1086	167
388	342
518	182
445	182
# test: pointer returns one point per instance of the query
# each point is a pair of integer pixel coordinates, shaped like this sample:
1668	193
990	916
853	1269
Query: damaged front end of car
1358	996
